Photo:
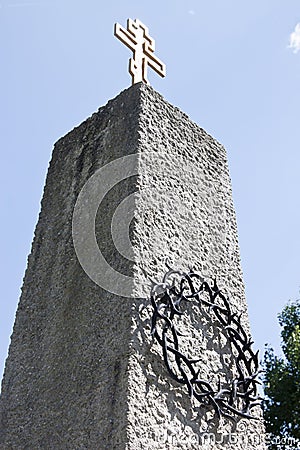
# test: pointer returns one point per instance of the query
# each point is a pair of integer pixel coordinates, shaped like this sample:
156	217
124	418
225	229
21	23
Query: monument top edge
134	99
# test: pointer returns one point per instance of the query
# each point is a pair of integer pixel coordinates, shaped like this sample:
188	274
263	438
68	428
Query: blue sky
229	67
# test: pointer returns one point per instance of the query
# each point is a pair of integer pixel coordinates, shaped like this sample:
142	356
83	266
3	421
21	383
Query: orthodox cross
137	38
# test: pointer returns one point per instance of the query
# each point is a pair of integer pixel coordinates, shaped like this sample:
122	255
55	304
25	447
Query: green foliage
282	378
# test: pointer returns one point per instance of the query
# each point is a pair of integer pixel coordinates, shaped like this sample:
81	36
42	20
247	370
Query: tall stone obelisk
83	371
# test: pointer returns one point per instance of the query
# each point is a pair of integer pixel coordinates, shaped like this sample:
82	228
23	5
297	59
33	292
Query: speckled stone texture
83	371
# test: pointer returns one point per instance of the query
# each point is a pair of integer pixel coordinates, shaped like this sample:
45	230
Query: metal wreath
239	395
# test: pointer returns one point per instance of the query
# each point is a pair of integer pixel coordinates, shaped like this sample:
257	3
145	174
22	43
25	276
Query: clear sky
232	66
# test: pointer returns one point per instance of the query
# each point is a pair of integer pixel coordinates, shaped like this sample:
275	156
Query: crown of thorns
234	398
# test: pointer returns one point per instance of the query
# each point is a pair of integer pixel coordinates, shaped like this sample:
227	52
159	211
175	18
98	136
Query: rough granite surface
83	371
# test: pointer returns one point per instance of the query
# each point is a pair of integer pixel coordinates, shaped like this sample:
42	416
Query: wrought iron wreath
235	397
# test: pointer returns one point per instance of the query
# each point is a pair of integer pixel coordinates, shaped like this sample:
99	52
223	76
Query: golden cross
137	38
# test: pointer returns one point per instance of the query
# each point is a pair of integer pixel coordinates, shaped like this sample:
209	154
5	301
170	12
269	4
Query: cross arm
125	36
155	63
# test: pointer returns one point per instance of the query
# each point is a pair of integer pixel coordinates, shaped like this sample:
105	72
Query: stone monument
135	189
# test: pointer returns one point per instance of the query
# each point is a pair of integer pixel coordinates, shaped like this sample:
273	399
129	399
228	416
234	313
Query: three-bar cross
137	38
